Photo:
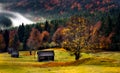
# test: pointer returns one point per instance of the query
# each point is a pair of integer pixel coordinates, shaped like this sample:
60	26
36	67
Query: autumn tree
11	38
75	35
44	37
108	32
106	41
58	36
94	36
34	41
2	43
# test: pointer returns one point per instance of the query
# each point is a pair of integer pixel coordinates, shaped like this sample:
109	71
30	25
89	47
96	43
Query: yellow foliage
75	34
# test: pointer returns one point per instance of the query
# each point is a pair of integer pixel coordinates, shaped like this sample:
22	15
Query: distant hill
62	7
8	1
39	10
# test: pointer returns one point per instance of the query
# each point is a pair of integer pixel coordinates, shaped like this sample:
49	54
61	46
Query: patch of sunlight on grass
86	55
63	56
89	69
112	55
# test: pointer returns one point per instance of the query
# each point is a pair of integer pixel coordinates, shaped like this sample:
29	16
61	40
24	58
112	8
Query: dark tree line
110	23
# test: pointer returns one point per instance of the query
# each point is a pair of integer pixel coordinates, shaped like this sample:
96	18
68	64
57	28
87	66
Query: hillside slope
62	7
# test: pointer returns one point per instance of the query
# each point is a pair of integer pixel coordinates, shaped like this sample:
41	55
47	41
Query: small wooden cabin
45	55
15	54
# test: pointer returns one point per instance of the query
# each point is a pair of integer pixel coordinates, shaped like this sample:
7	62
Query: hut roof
45	53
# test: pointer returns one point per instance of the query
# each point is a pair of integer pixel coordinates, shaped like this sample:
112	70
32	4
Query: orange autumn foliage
45	36
105	41
2	42
94	29
11	37
58	36
98	40
36	38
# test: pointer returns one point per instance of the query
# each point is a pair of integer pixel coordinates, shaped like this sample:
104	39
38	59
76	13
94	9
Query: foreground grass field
102	62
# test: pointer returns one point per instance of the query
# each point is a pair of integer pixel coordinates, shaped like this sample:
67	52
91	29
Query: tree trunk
30	52
34	53
77	55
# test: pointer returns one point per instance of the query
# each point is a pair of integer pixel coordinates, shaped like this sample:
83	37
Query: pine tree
26	36
16	42
107	25
21	31
6	38
47	26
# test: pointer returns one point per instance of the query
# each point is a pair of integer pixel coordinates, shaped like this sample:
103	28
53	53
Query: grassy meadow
102	62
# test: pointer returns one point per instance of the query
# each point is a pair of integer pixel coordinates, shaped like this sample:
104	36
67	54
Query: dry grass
108	62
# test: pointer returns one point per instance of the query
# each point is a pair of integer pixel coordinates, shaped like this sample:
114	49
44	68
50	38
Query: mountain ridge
39	10
62	7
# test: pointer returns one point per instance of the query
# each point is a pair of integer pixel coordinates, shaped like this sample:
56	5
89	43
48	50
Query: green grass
102	62
69	69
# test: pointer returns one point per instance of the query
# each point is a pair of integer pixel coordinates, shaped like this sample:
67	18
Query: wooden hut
45	55
15	54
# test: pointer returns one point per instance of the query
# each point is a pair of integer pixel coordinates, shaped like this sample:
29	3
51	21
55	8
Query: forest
102	34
